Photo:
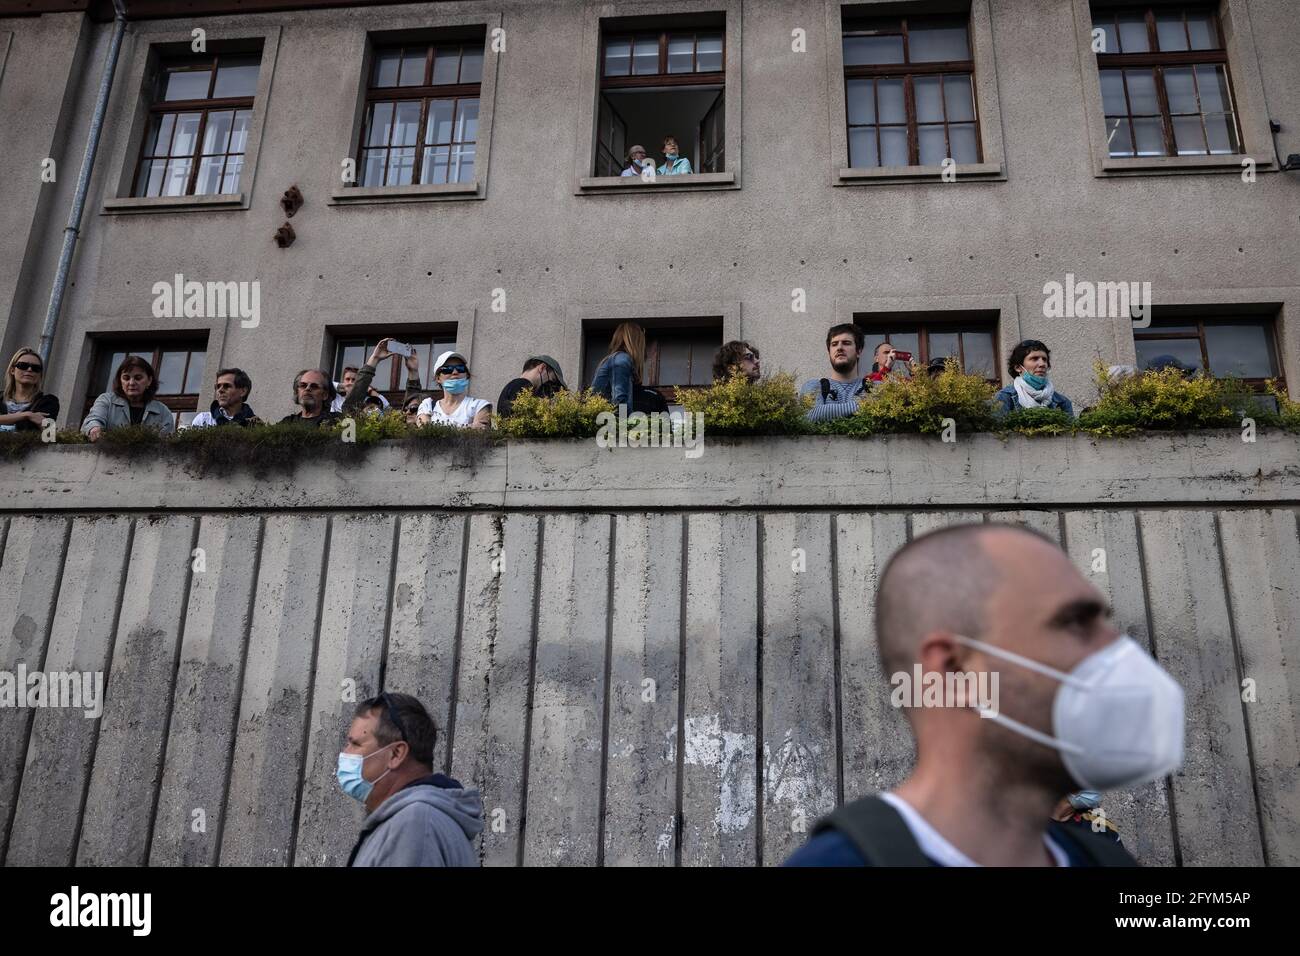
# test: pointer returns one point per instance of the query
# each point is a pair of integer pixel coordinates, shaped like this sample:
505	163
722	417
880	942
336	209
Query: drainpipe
73	228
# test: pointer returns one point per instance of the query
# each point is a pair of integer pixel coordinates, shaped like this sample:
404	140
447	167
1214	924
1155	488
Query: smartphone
400	348
899	356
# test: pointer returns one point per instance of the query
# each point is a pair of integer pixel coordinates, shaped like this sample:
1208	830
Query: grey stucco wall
1206	239
529	621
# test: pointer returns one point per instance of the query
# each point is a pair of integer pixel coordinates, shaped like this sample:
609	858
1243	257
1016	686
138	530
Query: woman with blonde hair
621	371
24	407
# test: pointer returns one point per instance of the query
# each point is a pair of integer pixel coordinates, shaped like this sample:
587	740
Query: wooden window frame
655	331
906	71
179	402
1156	61
923	328
1257	385
424	93
663	78
204	107
396	390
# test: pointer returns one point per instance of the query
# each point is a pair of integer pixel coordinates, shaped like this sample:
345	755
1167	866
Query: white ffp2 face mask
1117	717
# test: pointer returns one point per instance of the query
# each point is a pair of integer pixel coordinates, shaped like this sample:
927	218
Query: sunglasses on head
453	369
392	714
27	367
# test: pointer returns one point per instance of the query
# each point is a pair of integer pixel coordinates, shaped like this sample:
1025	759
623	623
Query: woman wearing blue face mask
1030	387
456	407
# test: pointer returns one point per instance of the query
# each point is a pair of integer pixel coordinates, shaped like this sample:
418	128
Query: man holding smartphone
386	348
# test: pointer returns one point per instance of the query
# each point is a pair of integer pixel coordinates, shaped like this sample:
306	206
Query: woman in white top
456	407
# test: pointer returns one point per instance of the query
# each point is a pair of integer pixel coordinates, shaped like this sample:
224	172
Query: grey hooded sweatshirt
429	822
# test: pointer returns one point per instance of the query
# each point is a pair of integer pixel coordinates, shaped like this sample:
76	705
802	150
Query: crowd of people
620	378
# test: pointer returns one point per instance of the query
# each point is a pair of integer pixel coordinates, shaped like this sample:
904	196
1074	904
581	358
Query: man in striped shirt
838	395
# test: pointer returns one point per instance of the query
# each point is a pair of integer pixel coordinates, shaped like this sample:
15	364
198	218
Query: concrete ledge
362	195
968	172
1176	165
132	204
634	184
895	472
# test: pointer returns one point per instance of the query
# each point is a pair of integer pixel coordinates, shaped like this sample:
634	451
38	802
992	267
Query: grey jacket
429	822
112	411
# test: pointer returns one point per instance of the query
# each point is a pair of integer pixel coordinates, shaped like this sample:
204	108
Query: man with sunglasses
229	406
313	391
415	817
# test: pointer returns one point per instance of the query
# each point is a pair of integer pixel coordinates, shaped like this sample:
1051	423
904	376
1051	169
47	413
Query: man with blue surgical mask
415	817
1075	705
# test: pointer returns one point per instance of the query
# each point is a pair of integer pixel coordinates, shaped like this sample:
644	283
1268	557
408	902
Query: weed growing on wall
736	406
564	415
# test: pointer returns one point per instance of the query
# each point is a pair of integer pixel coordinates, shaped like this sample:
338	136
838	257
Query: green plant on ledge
1166	400
736	406
564	415
918	405
16	445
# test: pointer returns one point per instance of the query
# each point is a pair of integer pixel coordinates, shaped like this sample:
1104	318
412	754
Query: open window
679	352
178	363
352	349
1222	346
972	341
655	83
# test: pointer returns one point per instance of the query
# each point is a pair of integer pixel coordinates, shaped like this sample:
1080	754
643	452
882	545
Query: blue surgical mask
1085	800
349	775
1033	381
456	386
671	157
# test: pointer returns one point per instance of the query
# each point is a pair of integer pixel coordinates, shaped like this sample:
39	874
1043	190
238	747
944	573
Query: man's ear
397	756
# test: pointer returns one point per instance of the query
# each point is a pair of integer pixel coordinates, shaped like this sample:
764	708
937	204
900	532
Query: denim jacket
614	379
1006	401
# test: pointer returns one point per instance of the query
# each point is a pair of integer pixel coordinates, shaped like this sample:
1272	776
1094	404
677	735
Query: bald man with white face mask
1076	705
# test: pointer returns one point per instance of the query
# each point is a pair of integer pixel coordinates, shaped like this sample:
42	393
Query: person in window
24	407
1030	387
636	161
1161	362
619	376
839	394
229	407
674	163
359	383
456	407
735	357
131	402
344	388
313	392
541	374
882	364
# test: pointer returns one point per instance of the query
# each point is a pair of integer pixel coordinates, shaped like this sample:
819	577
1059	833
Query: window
390	377
674	357
1227	347
1165	86
177	362
421	115
658	83
909	92
972	344
199	119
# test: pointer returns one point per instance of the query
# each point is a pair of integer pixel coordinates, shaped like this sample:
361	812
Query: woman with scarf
1030	386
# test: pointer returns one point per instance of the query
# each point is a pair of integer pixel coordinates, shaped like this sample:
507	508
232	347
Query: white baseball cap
442	360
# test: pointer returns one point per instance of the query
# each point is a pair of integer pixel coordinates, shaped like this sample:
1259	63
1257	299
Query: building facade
951	176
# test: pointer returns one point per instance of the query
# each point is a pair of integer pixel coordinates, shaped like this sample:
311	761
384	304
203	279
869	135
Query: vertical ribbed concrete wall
626	688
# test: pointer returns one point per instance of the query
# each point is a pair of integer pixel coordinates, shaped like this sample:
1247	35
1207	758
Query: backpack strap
826	390
1099	849
877	830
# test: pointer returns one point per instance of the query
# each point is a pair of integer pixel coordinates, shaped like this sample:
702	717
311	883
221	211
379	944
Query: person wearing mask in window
619	377
735	357
456	407
541	374
636	161
1030	387
229	407
313	391
24	407
839	394
130	402
674	163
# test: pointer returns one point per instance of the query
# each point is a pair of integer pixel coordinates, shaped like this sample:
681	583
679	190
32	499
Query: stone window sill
363	195
867	176
138	204
605	185
1174	165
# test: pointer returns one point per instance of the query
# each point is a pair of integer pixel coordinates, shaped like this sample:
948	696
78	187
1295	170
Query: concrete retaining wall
627	664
